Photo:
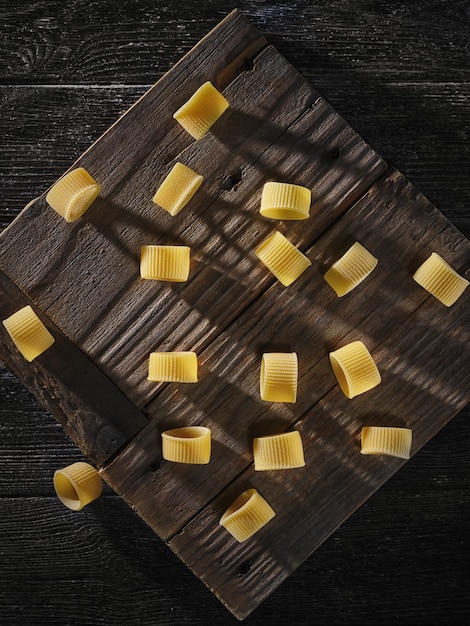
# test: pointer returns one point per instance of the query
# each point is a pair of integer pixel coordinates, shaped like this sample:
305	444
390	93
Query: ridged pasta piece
282	258
28	333
355	369
73	194
77	485
189	444
278	377
204	108
278	452
386	440
283	201
173	367
246	515
169	263
351	269
177	189
440	279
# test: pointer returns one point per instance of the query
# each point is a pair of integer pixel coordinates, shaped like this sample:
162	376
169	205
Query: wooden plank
94	413
205	61
43	235
298	137
392	220
72	117
51	43
224	228
149	117
425	382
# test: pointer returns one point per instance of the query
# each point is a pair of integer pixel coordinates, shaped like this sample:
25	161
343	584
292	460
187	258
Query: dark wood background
399	72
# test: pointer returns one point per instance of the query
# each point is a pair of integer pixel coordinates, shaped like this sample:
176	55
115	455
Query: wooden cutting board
83	281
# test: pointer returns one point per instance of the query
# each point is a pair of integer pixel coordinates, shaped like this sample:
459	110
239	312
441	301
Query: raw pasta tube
355	369
189	444
177	189
278	452
28	333
173	367
168	263
200	112
282	258
283	201
386	440
440	279
351	269
246	515
77	485
278	377
73	194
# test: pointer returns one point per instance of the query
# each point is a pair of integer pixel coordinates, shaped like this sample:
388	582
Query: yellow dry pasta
169	263
28	333
77	485
282	258
355	369
278	377
73	194
172	367
177	189
189	444
351	269
283	201
440	279
386	440
246	515
204	108
277	452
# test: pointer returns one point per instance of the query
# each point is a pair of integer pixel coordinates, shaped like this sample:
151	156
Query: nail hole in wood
334	154
155	466
244	568
232	180
248	65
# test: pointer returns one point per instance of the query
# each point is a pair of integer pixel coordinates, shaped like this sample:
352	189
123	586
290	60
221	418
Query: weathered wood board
83	279
92	410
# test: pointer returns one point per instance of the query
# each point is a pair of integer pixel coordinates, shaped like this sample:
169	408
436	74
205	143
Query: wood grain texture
422	388
94	413
51	42
397	118
397	72
281	120
110	553
340	477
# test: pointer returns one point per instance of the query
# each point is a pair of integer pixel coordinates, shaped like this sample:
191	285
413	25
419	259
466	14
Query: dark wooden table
399	73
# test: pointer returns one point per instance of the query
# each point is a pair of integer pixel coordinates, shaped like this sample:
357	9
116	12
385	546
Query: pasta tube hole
341	377
188	432
67	493
239	502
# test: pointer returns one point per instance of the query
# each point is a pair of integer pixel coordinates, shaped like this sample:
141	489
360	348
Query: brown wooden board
92	410
307	318
83	279
282	120
424	364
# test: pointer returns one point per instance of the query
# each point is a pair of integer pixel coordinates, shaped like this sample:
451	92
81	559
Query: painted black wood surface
398	72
